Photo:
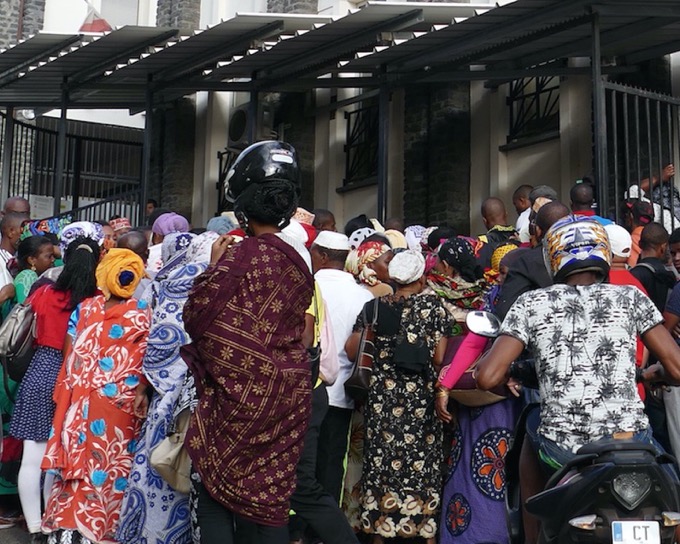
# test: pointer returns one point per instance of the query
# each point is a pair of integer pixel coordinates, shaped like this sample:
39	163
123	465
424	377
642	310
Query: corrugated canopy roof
383	43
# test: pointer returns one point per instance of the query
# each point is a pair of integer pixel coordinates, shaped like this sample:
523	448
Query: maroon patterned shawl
245	316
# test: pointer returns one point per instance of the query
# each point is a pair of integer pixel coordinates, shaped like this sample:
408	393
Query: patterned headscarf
200	248
459	254
169	223
358	236
94	231
413	236
44	226
174	243
359	259
119	273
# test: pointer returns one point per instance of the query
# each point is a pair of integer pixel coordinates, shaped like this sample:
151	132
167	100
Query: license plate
636	532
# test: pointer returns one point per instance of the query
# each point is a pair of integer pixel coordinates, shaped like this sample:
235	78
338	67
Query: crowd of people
239	337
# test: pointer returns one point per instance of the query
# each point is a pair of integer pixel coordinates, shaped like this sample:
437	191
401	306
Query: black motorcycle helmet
261	163
264	184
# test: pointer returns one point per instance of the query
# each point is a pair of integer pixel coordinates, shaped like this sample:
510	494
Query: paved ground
14	536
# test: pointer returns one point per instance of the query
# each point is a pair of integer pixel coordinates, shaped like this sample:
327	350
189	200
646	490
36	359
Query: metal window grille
361	148
534	104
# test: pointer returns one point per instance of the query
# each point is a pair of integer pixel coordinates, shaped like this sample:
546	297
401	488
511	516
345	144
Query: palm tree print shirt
584	341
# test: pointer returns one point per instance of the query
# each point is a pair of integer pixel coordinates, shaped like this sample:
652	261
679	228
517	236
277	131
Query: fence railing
124	205
100	174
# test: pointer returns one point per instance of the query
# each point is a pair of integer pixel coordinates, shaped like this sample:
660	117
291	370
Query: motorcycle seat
608	445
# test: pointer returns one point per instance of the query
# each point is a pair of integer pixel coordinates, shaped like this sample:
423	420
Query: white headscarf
407	266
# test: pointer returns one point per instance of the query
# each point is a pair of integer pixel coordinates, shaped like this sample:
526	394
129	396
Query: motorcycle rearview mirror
483	323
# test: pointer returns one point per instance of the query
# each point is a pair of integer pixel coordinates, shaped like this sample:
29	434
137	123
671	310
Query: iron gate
101	175
642	137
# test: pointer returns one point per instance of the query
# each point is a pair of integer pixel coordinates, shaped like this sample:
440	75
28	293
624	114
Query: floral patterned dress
95	429
401	478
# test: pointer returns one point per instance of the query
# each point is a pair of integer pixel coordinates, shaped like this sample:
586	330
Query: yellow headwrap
397	239
119	273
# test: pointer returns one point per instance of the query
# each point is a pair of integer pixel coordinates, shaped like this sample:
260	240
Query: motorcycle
611	492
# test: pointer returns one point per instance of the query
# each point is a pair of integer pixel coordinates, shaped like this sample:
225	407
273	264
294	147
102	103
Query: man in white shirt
344	299
10	228
522	204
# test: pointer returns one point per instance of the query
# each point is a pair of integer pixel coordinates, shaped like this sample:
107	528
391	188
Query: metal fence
101	175
642	136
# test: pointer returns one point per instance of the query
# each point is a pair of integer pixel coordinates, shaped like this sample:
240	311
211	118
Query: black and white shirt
584	341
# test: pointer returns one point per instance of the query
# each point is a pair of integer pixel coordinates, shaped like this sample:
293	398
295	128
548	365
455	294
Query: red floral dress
94	427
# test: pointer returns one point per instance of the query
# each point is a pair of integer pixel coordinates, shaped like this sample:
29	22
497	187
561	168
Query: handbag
466	393
357	385
17	336
171	459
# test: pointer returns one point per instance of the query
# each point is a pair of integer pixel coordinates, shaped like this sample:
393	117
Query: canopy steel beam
332	52
498	77
468	43
653	52
96	71
459	60
648	8
10	75
581	48
227	49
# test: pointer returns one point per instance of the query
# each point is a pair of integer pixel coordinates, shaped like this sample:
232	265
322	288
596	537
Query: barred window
361	147
534	104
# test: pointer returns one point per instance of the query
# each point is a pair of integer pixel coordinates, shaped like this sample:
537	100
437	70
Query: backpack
653	270
17	336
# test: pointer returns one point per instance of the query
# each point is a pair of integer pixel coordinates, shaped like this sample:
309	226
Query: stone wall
172	159
437	155
183	14
33	17
292	6
174	126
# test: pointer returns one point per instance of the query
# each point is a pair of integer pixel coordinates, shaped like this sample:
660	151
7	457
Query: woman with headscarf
93	231
152	511
368	264
246	316
473	509
401	478
166	224
101	401
34	410
173	252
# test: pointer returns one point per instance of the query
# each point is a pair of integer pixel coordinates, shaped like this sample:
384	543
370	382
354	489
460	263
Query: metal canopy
383	43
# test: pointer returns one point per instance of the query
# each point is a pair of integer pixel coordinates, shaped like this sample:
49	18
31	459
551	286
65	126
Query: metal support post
77	171
7	152
383	150
252	116
146	154
599	119
61	151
